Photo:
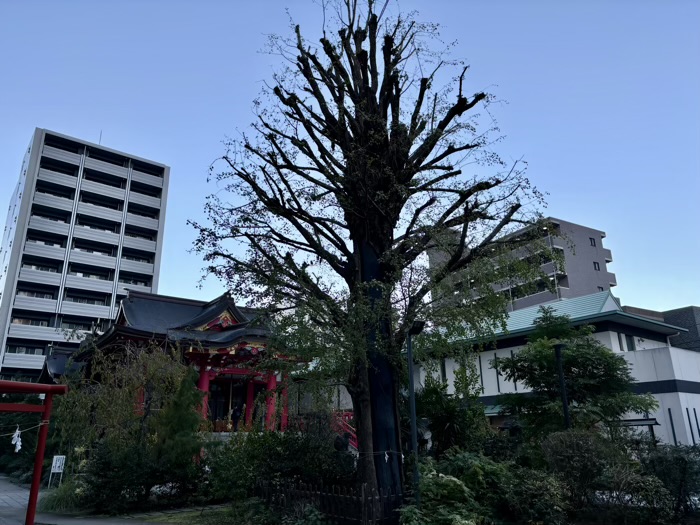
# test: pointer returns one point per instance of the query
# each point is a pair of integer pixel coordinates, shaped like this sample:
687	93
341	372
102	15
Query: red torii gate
18	387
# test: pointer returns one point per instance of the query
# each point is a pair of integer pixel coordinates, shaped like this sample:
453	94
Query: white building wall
650	363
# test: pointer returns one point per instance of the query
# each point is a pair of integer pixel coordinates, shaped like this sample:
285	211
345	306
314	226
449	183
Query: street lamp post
562	385
415	329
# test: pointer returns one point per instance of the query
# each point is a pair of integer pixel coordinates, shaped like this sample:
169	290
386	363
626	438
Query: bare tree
355	167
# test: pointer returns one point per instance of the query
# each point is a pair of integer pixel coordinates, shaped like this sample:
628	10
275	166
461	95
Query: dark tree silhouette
356	166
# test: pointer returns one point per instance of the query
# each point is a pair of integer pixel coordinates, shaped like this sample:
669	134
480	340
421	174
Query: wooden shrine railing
342	425
340	505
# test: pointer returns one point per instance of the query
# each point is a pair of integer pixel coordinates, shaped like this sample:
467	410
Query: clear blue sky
603	103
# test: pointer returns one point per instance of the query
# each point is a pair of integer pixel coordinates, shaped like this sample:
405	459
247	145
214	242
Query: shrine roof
160	314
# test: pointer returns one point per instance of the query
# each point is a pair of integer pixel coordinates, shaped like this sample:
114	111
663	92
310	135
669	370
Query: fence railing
340	505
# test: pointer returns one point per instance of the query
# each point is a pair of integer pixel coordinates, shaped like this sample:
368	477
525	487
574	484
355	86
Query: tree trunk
359	392
382	377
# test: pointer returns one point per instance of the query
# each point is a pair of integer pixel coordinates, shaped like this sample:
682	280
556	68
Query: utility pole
415	329
562	385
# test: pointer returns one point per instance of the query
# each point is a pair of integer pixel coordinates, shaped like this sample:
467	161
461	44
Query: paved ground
13	507
13	496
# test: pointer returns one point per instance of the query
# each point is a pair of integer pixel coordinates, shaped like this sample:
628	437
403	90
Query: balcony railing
136	266
26	361
87	310
42	250
151	180
53	201
94	259
105	167
140	220
57	178
36	304
39	277
48	225
88	283
94	234
146	200
103	189
59	154
139	244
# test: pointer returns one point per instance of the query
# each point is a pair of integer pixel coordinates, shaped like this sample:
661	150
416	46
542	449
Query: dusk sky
603	102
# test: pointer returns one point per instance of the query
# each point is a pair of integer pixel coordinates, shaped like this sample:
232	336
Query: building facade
670	373
85	224
583	270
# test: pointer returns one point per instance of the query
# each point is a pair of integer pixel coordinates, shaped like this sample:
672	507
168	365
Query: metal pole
562	385
39	460
414	430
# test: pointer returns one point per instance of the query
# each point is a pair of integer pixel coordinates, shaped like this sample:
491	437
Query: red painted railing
342	425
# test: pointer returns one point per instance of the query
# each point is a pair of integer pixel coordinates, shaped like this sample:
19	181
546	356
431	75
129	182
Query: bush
579	459
533	496
67	497
445	500
634	498
305	457
678	469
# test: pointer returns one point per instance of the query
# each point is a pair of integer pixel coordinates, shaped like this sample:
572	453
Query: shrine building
224	343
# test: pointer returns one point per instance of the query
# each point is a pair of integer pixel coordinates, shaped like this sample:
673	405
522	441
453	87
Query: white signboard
57	465
57	468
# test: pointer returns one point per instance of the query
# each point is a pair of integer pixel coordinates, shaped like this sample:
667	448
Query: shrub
533	496
445	500
305	457
579	458
67	497
634	498
678	468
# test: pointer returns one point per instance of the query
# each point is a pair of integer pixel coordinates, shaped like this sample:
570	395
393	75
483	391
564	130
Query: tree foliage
129	423
359	161
599	384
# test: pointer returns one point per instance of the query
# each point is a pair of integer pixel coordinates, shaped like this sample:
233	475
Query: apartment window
601	289
596	266
75	325
38	295
631	347
30	350
39	267
592	241
29	322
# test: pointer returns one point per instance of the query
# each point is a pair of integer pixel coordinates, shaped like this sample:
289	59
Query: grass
198	517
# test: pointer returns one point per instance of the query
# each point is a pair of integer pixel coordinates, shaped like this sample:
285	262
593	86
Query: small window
630	343
596	266
601	289
592	241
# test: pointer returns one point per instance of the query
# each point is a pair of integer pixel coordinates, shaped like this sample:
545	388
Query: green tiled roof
597	307
576	308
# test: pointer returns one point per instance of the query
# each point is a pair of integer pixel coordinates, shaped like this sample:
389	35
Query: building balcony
139	244
146	200
59	154
35	304
57	178
92	234
140	220
88	283
25	361
124	287
88	310
612	280
128	265
100	212
151	180
94	259
41	333
42	250
53	201
103	189
39	277
48	225
607	255
106	167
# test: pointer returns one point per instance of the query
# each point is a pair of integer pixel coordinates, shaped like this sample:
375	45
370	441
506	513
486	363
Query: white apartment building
671	374
85	224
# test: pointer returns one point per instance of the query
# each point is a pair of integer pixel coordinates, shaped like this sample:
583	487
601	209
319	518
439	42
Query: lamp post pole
415	329
562	385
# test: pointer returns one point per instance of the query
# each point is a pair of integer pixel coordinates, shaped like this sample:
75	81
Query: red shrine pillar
203	385
249	402
271	401
285	402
